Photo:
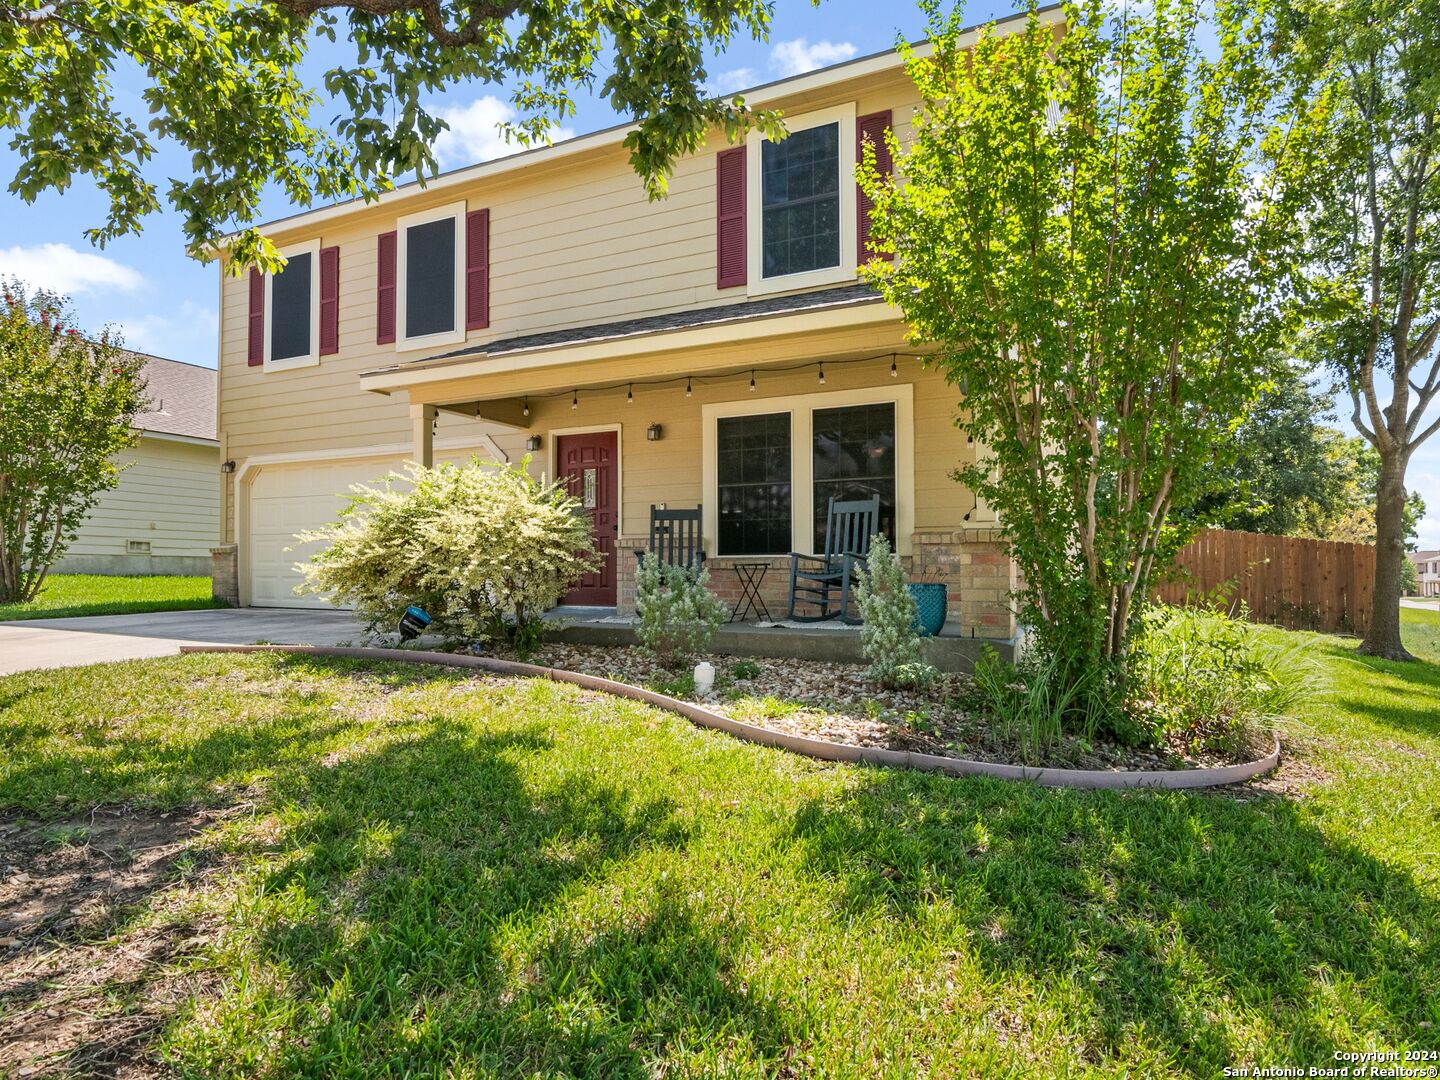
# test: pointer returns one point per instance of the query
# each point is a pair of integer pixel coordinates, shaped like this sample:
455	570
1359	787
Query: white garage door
285	500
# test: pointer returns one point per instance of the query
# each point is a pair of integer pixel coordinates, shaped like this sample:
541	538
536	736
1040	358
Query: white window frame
755	283
403	225
312	358
801	408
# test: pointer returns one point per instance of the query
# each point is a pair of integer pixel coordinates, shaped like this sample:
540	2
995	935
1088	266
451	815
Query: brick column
977	568
225	573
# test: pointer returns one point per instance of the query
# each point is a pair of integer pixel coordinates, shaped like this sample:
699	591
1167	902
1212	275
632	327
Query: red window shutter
385	291
730	218
256	355
477	270
870	129
329	301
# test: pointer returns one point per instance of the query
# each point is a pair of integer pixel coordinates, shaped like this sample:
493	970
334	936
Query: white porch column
422	423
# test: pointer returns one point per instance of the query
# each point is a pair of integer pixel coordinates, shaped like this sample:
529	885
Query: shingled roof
182	398
687	319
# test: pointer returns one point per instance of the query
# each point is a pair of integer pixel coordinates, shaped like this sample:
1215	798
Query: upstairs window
291	323
801	204
431	277
800	196
290	293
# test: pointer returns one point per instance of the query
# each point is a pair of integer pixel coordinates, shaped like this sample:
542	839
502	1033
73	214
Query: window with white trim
430	278
752	473
853	450
292	309
771	466
801	198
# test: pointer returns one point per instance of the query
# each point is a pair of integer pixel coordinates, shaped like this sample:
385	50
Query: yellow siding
573	243
169	496
669	471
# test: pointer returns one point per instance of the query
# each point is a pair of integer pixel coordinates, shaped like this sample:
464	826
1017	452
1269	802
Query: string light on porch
724	376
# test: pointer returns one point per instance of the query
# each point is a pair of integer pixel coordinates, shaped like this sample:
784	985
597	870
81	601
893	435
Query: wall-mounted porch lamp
654	433
532	444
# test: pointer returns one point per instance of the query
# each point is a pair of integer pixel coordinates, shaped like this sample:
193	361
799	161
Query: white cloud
61	268
727	82
799	56
475	133
188	334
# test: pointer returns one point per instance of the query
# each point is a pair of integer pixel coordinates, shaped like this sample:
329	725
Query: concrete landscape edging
822	749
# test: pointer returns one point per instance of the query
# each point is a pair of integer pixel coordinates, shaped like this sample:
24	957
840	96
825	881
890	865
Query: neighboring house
1427	570
714	347
164	515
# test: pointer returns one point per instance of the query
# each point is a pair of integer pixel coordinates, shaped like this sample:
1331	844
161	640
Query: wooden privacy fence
1298	584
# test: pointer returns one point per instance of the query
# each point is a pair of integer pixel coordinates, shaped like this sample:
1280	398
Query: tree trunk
1383	639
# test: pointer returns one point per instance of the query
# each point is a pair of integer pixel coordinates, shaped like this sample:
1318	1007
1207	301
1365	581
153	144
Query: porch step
948	653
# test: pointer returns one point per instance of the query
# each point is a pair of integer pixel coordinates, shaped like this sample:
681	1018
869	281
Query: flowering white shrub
483	548
888	635
678	614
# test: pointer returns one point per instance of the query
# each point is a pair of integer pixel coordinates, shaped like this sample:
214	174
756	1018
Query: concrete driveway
52	643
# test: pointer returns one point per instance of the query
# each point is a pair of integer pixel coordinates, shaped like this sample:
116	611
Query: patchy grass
420	873
65	595
1421	631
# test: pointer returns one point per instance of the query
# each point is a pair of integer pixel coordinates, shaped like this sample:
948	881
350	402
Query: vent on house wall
137	547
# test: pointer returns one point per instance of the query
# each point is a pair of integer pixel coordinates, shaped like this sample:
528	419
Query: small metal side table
751	576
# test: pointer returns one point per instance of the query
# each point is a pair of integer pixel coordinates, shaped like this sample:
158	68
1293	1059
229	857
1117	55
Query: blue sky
166	304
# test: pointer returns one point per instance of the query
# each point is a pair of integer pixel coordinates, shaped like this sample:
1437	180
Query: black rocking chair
675	538
815	580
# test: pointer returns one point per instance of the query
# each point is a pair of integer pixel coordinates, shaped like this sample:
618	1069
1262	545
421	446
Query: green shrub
485	549
745	669
1035	701
1204	681
678	615
888	636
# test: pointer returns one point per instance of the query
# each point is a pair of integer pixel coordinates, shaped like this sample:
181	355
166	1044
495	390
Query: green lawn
440	876
102	594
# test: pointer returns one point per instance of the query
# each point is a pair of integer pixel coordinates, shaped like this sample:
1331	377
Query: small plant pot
931	600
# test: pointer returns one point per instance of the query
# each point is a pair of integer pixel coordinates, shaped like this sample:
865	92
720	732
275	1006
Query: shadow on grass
420	863
1163	912
1392	694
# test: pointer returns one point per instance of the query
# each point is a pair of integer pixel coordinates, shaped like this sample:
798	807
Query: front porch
757	414
953	650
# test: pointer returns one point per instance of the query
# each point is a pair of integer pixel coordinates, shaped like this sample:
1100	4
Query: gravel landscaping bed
835	701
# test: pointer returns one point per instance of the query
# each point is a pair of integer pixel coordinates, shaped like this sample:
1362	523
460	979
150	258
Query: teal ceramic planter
931	599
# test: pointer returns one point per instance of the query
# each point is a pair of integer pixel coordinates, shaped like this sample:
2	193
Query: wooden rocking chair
817	580
675	538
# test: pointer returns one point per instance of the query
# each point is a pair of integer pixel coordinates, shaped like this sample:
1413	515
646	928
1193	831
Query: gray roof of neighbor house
182	398
1424	556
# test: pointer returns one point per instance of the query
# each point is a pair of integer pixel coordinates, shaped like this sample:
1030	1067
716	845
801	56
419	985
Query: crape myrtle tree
67	405
224	82
1082	236
1373	227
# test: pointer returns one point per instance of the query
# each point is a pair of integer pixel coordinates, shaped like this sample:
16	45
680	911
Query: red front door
588	466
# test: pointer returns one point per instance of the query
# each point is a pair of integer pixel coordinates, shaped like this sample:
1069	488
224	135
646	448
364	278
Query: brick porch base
972	562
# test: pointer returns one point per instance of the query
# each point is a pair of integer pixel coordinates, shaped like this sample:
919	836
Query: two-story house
714	348
1427	572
